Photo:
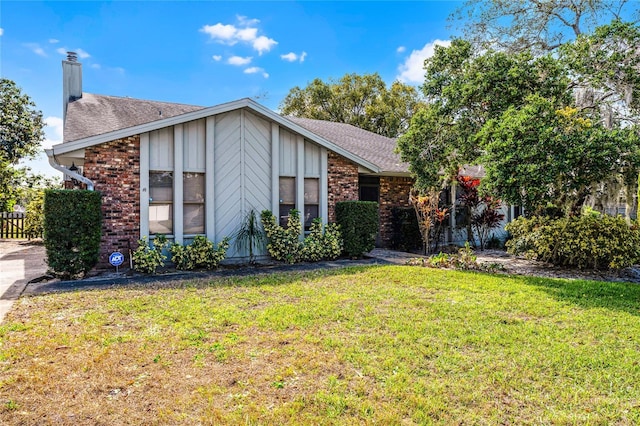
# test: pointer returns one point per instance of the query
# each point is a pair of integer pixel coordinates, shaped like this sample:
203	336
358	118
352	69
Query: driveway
20	262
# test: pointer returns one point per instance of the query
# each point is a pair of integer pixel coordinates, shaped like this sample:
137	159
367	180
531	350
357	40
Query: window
311	201
161	202
287	198
193	208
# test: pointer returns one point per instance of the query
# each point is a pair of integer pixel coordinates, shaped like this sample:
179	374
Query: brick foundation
114	168
342	175
394	192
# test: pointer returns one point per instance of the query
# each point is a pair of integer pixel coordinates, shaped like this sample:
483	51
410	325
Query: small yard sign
116	259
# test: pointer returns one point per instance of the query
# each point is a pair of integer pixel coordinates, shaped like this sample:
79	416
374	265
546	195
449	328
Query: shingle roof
94	115
372	147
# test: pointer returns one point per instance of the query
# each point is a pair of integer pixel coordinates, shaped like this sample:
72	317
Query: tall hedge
358	222
72	230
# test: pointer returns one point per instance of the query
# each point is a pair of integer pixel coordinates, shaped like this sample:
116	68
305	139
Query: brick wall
342	175
114	168
394	192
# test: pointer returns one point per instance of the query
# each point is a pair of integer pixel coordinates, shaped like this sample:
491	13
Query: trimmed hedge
590	241
358	221
72	230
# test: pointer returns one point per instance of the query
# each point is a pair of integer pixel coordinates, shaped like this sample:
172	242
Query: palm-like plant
250	236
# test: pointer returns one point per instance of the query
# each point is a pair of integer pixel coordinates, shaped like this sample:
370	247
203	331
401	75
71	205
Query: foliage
467	201
363	101
589	241
487	219
34	216
20	136
533	24
284	243
464	260
148	258
358	222
250	237
431	217
200	254
321	243
72	230
543	153
406	231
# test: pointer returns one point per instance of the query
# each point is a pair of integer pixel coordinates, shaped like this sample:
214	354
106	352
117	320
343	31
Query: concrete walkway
20	262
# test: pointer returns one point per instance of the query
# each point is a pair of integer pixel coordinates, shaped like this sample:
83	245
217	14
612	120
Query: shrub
284	243
358	222
589	241
322	243
250	236
200	254
72	230
406	231
147	258
34	216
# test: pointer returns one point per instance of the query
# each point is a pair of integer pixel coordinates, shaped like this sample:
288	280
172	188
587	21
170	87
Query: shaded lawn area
386	345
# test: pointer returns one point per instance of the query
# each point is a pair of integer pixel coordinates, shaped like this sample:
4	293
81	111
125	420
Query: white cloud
35	48
1	31
401	49
239	60
245	31
52	132
412	70
54	40
81	53
292	57
217	58
256	70
95	66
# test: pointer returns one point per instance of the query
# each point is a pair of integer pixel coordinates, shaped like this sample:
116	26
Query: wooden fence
12	226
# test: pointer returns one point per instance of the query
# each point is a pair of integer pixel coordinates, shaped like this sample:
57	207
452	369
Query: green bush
321	243
588	241
200	254
72	230
358	222
284	243
34	216
147	258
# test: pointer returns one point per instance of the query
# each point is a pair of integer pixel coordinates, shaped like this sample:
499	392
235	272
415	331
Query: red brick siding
394	192
342	175
114	168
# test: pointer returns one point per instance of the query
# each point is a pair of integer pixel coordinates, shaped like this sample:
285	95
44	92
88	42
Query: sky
206	53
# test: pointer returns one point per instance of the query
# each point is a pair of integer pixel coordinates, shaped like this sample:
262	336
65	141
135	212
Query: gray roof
372	147
94	115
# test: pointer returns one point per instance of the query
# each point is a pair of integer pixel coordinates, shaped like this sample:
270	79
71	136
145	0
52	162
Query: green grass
383	345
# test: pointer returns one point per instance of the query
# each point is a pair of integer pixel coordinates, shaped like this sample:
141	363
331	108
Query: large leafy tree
534	25
364	101
21	131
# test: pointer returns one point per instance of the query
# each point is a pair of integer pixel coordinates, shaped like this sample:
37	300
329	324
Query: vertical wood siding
193	140
161	149
288	153
311	160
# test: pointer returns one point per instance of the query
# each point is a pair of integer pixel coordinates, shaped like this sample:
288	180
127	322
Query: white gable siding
194	145
161	149
311	160
288	153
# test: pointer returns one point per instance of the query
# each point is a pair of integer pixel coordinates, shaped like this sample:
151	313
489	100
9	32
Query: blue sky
206	53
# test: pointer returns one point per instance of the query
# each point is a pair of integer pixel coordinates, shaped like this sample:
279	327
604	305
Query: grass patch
386	345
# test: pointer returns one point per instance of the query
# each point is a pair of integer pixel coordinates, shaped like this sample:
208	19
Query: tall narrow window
287	198
161	202
311	201
193	213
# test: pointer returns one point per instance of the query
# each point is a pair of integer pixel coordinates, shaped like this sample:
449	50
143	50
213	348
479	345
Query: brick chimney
71	81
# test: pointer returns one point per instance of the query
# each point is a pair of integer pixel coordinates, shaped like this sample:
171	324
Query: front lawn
384	345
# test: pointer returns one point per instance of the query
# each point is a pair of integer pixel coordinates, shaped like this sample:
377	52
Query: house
184	170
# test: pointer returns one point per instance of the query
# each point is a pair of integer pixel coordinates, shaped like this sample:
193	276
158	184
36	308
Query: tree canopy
363	101
21	131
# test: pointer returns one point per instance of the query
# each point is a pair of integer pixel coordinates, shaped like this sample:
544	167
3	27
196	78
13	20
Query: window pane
284	213
193	219
287	190
311	191
193	185
310	213
160	219
161	186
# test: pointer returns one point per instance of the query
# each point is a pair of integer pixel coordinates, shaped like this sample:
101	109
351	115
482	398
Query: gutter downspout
73	175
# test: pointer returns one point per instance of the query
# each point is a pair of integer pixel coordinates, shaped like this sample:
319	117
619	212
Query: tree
363	101
20	136
533	25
